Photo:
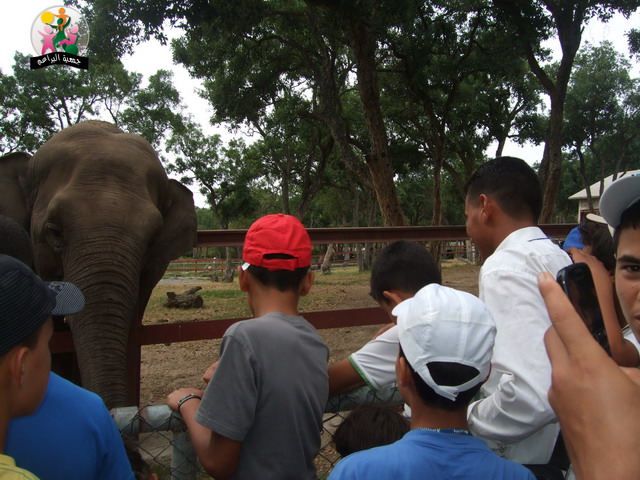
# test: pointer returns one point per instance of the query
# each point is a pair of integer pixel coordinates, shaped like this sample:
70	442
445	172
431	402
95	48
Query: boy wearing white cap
446	342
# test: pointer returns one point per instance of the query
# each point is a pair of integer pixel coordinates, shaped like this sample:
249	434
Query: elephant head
104	216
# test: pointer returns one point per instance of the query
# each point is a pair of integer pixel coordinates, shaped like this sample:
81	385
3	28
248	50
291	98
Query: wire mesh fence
161	436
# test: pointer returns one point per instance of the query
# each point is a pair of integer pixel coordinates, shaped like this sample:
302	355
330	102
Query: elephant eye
54	236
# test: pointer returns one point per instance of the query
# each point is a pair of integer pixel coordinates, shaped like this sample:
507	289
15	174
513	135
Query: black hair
512	183
630	219
369	426
445	374
283	280
404	266
597	236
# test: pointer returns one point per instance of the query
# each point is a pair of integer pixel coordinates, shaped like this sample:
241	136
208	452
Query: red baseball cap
273	234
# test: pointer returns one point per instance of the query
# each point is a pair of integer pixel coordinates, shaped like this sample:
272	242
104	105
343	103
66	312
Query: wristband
186	398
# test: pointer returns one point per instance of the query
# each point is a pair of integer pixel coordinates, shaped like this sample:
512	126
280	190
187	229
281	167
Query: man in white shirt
502	206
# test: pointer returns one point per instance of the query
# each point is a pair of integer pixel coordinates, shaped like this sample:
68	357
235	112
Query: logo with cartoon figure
60	36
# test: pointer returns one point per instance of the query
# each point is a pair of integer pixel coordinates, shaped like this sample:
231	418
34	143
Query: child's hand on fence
173	399
209	372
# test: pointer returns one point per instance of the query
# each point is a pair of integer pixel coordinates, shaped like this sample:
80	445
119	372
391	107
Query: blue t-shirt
71	436
424	455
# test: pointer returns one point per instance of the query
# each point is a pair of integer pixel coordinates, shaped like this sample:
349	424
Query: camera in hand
577	282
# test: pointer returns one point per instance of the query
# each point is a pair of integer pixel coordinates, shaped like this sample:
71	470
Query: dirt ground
166	367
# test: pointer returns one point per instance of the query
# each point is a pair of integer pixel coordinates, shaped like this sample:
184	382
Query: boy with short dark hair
446	342
26	306
398	272
261	413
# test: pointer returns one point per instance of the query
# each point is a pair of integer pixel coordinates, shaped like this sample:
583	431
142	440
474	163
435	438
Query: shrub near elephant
103	215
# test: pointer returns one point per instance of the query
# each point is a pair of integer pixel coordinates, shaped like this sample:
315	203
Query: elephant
102	214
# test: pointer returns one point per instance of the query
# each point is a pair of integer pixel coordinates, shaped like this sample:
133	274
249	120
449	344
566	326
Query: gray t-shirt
269	392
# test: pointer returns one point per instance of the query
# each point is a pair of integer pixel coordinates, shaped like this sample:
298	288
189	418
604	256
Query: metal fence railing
161	437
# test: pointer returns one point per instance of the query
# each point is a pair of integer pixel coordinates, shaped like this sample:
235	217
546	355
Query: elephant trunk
101	330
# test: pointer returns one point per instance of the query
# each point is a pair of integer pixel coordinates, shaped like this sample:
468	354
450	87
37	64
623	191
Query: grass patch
226	300
221	294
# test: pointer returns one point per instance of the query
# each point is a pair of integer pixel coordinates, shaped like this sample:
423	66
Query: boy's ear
393	297
403	373
307	283
243	279
15	364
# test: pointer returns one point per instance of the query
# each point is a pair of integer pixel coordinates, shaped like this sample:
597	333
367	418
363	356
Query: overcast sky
152	56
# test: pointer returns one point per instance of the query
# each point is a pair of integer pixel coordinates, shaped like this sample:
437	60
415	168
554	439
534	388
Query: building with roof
581	196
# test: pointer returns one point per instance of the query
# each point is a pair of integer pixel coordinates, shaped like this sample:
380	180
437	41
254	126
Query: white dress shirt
514	416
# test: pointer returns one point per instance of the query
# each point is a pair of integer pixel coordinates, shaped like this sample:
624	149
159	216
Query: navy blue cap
26	301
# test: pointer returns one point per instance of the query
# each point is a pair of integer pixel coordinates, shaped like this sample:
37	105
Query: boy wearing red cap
261	414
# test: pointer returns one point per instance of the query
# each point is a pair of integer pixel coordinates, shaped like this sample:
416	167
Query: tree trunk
187	299
379	162
583	177
551	165
326	262
379	174
568	18
229	269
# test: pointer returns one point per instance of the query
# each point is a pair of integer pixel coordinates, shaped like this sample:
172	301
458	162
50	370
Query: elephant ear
14	198
177	237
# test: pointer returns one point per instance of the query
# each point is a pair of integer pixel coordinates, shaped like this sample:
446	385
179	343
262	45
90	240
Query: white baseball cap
619	196
441	324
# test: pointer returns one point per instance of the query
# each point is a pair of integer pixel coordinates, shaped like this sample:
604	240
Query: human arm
219	455
373	365
206	376
622	351
343	377
598	403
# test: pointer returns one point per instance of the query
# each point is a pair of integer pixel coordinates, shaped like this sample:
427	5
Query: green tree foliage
155	110
293	151
603	116
222	173
530	23
408	95
38	103
245	51
445	97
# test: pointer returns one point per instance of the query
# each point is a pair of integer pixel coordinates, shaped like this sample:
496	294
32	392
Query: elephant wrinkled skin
103	215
